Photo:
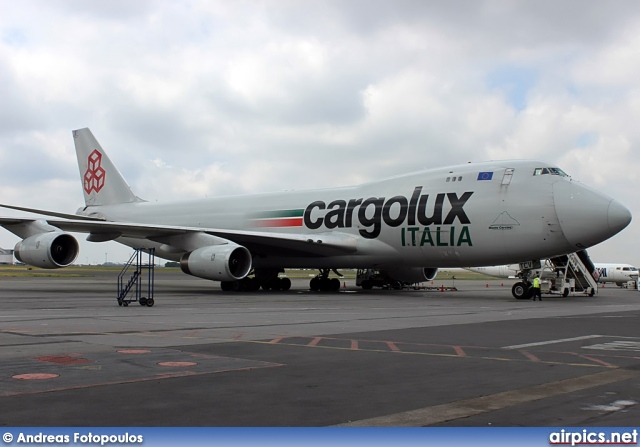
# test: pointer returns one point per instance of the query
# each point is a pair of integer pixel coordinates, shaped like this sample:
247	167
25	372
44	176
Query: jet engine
48	250
411	275
229	262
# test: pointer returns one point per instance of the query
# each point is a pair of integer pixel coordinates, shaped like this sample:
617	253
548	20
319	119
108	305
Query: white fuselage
447	217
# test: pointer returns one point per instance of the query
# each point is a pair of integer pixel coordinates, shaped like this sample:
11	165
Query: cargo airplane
406	226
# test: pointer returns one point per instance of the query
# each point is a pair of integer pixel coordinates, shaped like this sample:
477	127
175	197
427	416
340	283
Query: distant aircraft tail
102	183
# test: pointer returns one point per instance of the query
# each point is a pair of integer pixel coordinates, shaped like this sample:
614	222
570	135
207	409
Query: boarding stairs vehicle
562	275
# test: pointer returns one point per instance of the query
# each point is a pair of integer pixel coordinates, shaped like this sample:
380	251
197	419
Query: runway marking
111	367
469	352
423	417
36	376
177	364
602	362
392	346
551	342
530	356
617	345
63	360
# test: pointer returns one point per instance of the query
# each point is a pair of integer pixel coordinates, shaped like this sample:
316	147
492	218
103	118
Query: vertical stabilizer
102	183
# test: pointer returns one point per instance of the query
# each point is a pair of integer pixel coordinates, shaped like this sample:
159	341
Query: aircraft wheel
150	302
230	286
396	285
273	284
334	284
325	284
520	291
285	284
314	284
366	284
250	284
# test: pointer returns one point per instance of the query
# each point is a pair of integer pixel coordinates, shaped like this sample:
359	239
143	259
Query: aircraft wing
51	213
286	244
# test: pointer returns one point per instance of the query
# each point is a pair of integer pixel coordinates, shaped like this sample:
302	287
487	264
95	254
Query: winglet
102	183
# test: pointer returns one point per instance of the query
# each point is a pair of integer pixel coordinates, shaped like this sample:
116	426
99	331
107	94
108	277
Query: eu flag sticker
485	175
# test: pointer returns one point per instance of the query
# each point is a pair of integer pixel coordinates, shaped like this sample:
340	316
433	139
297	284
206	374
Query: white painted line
551	342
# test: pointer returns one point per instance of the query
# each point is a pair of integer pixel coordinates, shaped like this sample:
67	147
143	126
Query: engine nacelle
229	262
48	250
411	275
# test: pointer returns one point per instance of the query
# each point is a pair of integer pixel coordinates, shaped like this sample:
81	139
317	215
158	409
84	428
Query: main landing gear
265	279
323	283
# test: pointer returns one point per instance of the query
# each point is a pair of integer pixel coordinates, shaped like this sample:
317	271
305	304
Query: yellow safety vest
536	283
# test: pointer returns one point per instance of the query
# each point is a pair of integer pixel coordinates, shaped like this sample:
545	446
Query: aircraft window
460	178
552	171
448	179
626	269
453	179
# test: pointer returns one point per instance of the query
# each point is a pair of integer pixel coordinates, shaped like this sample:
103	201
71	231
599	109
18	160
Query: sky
194	99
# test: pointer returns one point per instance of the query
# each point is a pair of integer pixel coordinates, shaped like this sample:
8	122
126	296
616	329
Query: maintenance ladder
136	280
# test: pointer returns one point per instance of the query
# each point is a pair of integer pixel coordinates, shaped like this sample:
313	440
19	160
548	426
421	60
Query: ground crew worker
536	288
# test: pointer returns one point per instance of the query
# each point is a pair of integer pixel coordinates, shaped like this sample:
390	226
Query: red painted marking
354	345
286	222
459	351
40	376
393	346
238	337
315	341
177	364
602	362
276	340
530	356
63	360
134	351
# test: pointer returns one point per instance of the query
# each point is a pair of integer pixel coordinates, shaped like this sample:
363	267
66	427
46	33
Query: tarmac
70	356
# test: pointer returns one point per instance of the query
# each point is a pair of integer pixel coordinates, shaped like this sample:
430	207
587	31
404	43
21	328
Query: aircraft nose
587	217
619	216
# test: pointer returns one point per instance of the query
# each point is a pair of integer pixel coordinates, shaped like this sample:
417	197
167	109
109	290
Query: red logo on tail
95	175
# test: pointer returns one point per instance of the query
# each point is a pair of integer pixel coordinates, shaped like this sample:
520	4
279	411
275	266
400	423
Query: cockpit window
552	171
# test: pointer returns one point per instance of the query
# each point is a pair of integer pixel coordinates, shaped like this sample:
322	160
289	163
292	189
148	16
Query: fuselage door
506	178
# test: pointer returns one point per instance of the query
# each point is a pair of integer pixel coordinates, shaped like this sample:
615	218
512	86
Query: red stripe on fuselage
287	222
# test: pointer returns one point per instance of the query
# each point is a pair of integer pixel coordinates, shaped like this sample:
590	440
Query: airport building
6	257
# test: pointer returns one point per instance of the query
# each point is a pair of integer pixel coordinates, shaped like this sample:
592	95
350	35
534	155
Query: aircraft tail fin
102	183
